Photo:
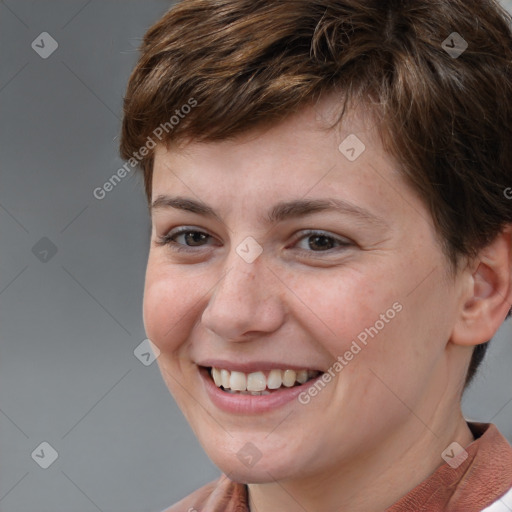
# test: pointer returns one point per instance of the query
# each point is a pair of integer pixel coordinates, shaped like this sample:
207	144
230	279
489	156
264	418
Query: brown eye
194	238
184	239
322	242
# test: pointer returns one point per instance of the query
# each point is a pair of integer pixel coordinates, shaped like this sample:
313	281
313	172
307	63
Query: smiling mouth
260	382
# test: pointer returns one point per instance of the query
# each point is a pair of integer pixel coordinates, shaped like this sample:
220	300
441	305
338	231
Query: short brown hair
446	118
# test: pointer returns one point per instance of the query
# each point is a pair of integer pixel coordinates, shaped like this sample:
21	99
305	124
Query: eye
187	239
320	241
184	239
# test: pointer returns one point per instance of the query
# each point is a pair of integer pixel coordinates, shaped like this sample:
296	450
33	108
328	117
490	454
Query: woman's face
264	278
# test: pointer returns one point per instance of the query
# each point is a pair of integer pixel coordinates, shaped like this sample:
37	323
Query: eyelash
168	240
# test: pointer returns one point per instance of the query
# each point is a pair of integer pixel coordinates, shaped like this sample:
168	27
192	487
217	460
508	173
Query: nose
246	302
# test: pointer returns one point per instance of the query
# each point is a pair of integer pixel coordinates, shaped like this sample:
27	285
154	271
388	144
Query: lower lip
251	404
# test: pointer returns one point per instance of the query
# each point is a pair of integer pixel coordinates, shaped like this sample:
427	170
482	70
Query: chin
245	467
259	474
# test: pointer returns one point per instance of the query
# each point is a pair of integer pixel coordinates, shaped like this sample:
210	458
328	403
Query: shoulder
194	500
221	495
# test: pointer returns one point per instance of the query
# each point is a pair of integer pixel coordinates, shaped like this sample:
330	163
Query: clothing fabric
504	504
482	483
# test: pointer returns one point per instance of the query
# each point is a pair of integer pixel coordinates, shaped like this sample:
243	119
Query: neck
405	459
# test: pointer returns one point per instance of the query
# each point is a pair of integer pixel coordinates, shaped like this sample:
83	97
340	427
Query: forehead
307	156
306	142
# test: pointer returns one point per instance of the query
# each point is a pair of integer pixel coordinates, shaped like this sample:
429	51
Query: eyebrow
280	212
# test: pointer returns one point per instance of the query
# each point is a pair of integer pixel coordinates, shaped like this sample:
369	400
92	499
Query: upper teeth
257	381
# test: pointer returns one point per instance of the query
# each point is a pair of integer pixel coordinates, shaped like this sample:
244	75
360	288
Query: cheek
338	307
168	304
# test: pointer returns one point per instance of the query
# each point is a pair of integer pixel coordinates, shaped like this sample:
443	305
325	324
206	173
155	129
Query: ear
487	298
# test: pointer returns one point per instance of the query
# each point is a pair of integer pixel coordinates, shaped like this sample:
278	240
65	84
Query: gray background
70	321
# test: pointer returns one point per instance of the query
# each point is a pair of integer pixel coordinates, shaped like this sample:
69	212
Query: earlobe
489	297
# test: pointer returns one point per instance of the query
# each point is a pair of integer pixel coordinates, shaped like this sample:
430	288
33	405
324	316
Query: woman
331	248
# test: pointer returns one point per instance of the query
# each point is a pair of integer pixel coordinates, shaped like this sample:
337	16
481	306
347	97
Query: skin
390	413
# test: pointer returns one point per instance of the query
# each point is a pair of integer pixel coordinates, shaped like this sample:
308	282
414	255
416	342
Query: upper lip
253	366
